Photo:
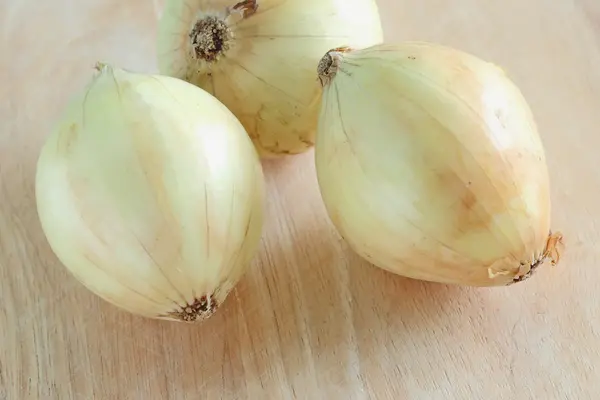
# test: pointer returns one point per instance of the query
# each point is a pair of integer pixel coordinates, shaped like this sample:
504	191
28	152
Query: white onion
150	193
258	58
430	165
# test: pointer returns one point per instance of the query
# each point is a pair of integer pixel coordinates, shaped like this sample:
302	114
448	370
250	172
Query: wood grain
310	320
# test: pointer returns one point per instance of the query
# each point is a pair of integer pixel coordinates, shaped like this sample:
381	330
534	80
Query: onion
151	194
430	165
258	58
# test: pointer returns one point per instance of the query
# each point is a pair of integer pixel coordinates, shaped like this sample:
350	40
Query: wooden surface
310	320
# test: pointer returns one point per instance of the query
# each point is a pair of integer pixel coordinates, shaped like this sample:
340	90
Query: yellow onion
430	165
150	192
258	57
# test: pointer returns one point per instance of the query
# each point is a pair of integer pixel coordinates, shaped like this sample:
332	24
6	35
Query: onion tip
554	246
101	66
330	64
210	38
199	310
246	7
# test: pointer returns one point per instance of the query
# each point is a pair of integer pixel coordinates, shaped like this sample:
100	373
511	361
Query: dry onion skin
258	58
430	165
150	192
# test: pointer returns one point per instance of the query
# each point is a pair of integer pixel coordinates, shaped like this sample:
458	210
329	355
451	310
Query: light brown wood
310	320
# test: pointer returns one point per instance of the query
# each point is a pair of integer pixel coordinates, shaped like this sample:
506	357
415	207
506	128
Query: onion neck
330	64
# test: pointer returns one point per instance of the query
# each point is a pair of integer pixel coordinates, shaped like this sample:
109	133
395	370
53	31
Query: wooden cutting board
310	320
